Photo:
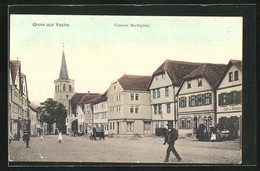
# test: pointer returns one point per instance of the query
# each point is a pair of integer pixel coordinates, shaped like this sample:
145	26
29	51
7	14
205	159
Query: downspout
175	113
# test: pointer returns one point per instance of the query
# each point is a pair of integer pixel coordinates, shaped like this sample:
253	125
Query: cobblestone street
127	149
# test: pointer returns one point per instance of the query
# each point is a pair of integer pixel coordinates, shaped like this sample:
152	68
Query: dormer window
188	84
199	82
230	76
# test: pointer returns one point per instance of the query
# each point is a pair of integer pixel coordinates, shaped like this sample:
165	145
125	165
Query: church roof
80	99
63	69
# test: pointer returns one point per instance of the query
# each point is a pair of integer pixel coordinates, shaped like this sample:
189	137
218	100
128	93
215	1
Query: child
60	138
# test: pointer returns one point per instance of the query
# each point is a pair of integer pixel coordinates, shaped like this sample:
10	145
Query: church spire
63	69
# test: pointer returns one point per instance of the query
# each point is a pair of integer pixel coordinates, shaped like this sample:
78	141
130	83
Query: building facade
229	96
100	112
163	88
197	100
18	106
129	110
33	115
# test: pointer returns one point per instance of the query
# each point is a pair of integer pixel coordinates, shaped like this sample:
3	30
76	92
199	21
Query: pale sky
97	53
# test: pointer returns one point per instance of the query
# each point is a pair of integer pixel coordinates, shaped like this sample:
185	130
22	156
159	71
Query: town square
79	97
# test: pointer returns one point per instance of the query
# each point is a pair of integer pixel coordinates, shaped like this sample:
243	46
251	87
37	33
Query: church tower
64	87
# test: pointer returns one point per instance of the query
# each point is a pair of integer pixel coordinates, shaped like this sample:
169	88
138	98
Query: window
161	124
96	116
63	87
166	91
156	124
132	96
136	96
119	109
136	109
231	98
207	98
160	108
119	97
230	76
163	76
113	125
110	125
236	76
199	82
185	124
193	100
158	93
188	84
130	126
182	102
199	101
154	94
70	88
132	109
155	109
168	108
103	115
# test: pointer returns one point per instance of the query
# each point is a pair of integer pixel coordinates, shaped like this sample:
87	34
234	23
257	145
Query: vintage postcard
125	89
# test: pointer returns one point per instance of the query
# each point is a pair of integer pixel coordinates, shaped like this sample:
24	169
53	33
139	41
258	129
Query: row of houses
184	94
22	115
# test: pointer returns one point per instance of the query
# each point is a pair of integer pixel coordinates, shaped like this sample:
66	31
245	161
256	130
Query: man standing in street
171	137
26	138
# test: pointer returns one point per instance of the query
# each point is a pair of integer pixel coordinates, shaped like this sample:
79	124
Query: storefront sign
233	108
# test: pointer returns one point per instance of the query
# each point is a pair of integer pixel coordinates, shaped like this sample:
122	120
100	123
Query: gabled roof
15	64
239	65
176	70
99	98
75	100
211	72
87	99
134	82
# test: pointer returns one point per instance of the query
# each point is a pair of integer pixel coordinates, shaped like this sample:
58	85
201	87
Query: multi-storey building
163	88
85	112
100	111
128	101
229	96
196	97
33	113
18	106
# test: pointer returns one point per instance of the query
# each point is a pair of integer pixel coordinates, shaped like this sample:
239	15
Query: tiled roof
211	72
99	98
176	70
134	82
15	64
75	100
87	99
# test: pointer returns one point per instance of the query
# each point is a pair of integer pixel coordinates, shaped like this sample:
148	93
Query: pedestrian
26	138
171	137
41	137
60	138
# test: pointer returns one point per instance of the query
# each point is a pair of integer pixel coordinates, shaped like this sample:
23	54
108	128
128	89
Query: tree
54	112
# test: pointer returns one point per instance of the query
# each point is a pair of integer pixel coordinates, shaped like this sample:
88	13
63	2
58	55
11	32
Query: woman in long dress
60	137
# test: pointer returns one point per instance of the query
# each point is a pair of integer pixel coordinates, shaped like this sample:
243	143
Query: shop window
185	124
